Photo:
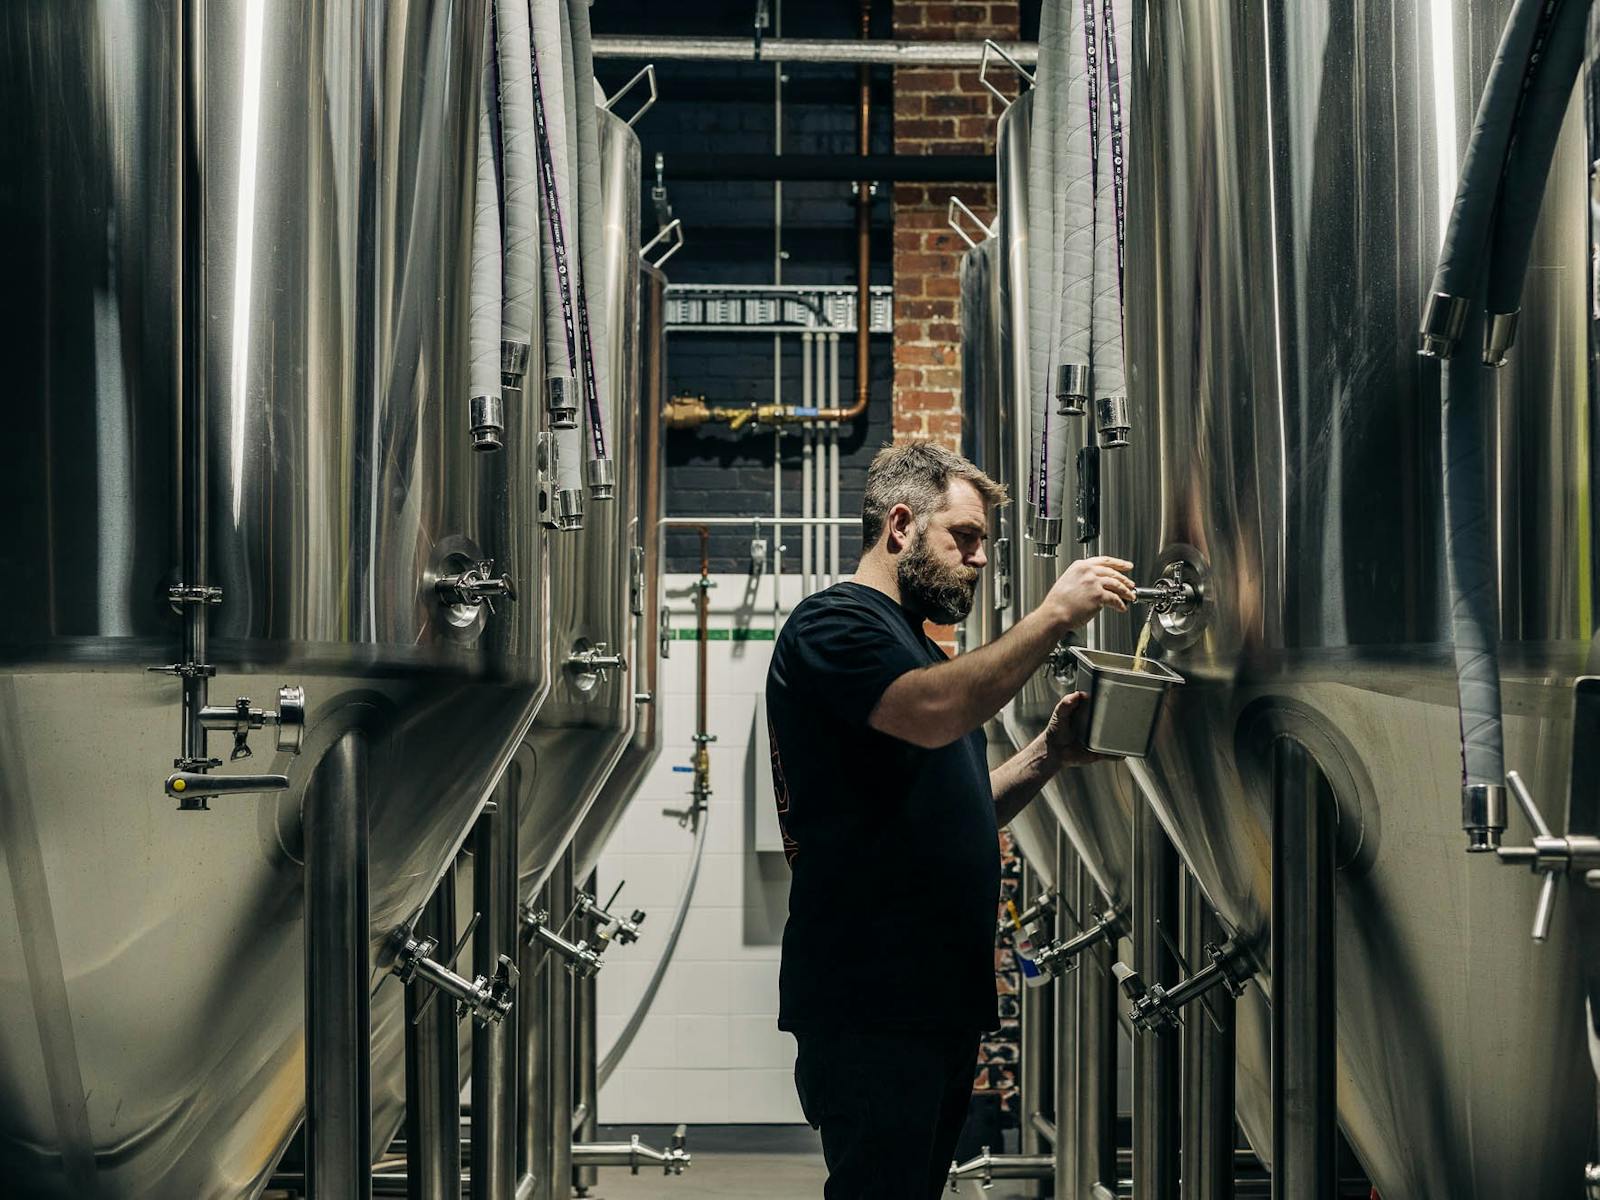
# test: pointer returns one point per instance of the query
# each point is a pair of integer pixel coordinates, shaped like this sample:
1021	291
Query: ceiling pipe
813	50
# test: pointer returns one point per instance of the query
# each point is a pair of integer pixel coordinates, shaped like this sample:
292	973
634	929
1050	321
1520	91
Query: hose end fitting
1046	536
602	478
1499	334
1442	322
569	509
1483	815
561	400
1072	389
1111	421
488	421
513	362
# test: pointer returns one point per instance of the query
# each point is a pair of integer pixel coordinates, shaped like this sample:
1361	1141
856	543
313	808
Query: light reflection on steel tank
1286	192
150	960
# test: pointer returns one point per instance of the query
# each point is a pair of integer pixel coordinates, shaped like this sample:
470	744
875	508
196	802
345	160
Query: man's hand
1061	740
1087	586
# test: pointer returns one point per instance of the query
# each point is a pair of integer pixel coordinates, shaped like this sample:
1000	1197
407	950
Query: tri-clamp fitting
608	926
476	585
191	783
1169	594
1155	1007
487	1000
581	959
1061	955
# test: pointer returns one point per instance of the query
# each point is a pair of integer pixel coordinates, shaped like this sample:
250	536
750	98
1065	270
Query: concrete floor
748	1176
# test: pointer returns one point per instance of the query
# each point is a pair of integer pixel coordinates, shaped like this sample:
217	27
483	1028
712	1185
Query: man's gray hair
918	475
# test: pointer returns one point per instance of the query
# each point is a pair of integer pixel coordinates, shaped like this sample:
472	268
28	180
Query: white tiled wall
710	1050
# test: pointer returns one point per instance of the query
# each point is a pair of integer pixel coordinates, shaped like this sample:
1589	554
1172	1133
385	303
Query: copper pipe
863	238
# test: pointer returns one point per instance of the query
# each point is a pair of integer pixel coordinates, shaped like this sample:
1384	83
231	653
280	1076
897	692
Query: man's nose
978	559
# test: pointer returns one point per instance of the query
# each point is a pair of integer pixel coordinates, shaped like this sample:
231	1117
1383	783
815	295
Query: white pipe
820	507
486	401
1079	130
1046	238
833	462
520	181
819	50
807	442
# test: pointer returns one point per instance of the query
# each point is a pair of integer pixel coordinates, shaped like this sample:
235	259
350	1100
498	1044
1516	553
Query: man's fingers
1106	560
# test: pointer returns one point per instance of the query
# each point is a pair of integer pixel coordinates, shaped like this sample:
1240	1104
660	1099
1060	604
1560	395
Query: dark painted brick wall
728	107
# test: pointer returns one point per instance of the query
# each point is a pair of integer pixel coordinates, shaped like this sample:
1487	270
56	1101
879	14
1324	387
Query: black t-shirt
893	848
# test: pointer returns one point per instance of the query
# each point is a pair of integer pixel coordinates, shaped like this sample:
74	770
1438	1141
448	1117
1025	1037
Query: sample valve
1036	913
1551	856
581	960
608	926
476	585
1060	956
1156	1007
191	783
487	1000
588	663
1169	594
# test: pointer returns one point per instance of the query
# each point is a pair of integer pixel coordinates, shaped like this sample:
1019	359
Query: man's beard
938	593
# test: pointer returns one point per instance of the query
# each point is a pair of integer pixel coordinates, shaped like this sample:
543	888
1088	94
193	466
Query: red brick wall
944	111
937	110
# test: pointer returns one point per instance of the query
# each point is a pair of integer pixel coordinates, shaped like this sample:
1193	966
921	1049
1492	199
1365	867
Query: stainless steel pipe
1066	1153
338	1127
533	1129
1155	1058
1206	1119
585	1064
433	1066
1036	1098
494	1049
1304	1128
558	1041
882	52
1099	1035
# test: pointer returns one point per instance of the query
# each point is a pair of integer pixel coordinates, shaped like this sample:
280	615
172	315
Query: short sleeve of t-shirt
847	653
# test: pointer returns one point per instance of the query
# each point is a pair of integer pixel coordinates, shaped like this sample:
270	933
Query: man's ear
897	525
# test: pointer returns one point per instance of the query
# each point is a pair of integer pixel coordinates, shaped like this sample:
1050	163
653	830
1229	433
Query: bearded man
890	817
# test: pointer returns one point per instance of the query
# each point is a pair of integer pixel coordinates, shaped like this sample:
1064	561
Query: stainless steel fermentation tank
587	720
1289	169
152	1039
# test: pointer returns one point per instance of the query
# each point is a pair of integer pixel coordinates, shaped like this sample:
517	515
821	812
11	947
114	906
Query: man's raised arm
933	706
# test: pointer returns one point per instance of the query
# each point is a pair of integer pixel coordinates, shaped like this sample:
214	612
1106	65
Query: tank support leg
533	1074
494	1044
1304	1129
585	1050
338	976
1037	1095
1099	1034
1067	1150
1155	1059
558	1035
433	1068
1208	1064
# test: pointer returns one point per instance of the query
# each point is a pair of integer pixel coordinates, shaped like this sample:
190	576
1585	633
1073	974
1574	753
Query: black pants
890	1106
